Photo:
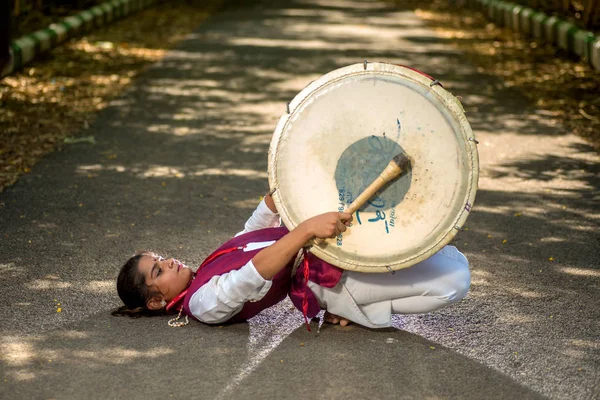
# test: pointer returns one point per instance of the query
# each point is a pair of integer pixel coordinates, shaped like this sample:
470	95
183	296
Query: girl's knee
461	279
455	279
463	282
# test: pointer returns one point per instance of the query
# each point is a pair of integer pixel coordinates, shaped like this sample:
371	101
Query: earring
163	303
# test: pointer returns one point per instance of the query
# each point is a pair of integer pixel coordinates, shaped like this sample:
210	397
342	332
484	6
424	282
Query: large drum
337	136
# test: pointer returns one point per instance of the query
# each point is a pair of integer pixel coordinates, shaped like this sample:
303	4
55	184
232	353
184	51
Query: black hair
133	291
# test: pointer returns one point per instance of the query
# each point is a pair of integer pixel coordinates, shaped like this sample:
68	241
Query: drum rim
454	107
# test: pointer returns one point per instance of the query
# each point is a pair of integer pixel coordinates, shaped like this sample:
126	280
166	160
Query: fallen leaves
52	102
58	307
568	89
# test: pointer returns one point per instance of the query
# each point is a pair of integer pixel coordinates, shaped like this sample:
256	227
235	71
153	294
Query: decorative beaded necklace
174	322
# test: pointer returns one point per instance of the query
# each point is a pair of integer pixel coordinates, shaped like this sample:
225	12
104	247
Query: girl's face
167	277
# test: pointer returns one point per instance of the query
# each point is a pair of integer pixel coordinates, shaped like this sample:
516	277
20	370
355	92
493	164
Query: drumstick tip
402	161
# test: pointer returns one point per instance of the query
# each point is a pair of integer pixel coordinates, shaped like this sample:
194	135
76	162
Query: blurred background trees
585	13
29	15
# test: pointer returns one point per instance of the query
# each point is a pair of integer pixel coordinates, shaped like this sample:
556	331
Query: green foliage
584	13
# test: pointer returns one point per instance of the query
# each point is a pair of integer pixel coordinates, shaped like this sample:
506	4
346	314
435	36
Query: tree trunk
5	26
588	10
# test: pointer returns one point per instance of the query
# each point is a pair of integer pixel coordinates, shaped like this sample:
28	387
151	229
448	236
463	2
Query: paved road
179	164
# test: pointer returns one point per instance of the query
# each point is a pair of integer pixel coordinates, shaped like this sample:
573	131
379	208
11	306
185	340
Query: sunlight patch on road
574	353
295	84
10	271
120	355
55	283
72	334
16	353
348	5
292	44
48	284
345	31
23	356
581	272
515	318
591	344
252	141
265	108
161	171
231	172
85	169
98	287
528	294
186	84
185	92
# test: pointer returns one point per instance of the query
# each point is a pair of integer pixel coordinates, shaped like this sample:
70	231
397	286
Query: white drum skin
339	134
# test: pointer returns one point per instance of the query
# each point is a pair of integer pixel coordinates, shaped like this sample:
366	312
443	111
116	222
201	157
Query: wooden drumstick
399	164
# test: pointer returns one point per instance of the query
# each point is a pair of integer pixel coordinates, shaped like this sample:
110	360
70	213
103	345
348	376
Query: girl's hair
133	291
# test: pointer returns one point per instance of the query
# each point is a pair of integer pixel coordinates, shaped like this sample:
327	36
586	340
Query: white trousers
370	299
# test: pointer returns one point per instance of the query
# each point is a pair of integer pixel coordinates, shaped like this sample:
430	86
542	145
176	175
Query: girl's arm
269	261
224	295
265	216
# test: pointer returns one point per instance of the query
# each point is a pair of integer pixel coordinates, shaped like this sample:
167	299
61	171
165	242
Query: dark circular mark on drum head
360	164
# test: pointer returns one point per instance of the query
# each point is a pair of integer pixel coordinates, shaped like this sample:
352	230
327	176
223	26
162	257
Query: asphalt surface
179	165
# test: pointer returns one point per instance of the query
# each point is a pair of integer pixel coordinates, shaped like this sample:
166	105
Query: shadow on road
272	357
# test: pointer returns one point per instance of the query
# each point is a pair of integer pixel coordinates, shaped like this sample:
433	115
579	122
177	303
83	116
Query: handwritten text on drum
380	215
345	198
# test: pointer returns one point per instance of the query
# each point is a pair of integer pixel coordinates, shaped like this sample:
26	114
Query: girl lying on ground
259	268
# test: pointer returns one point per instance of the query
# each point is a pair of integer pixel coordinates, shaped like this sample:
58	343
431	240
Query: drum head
339	134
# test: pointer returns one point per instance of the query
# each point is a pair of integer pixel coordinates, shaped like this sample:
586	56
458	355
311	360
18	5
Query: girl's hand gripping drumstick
399	164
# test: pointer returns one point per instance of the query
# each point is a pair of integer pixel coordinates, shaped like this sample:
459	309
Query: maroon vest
320	272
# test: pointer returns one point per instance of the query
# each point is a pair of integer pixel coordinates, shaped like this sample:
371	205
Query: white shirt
223	296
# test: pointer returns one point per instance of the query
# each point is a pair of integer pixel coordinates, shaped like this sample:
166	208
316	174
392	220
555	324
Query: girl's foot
335	319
